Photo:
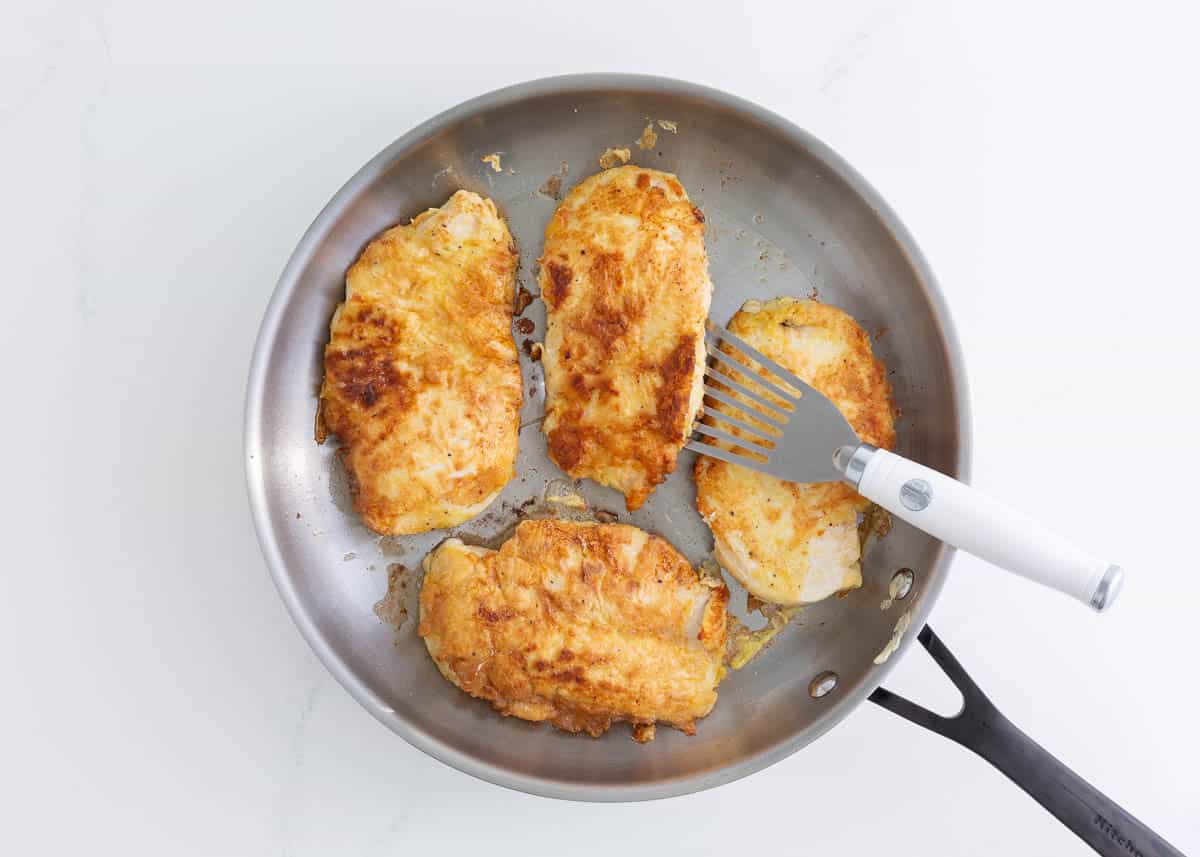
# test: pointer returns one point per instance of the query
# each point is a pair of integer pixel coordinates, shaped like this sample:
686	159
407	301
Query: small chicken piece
792	543
576	623
422	383
624	276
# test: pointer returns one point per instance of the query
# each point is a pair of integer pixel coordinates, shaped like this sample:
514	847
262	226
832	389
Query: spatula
791	431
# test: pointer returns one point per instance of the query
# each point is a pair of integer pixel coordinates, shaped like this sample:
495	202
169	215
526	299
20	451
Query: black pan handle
979	727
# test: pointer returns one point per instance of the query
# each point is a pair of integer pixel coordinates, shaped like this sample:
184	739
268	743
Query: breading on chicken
577	623
624	276
792	543
422	383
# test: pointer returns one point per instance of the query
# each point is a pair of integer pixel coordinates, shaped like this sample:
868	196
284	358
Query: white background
158	163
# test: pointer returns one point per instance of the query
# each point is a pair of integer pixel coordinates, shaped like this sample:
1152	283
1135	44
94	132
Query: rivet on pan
901	585
822	684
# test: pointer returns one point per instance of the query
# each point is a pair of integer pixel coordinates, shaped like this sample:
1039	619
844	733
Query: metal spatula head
789	428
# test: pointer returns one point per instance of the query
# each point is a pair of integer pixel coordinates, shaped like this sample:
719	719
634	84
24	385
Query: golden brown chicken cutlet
792	543
422	383
624	276
579	624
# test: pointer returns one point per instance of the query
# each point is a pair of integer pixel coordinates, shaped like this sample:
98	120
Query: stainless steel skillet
786	216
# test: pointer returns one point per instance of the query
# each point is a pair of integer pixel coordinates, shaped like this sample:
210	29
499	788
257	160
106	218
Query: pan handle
980	727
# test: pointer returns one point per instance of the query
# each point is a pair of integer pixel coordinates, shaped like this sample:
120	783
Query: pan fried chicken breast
579	624
792	543
422	383
624	276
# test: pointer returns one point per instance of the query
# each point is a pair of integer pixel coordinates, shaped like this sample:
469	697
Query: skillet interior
785	216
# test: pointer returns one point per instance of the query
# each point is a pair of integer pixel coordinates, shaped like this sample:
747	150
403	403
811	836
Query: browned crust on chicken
624	275
786	542
422	383
577	624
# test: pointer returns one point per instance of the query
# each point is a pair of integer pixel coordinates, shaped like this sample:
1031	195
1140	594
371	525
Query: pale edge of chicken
579	624
624	275
790	543
422	383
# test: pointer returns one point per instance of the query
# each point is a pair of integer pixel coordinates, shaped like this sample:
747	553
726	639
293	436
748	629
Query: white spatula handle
961	516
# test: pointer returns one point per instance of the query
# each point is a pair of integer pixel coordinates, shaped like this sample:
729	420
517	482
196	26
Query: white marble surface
158	162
